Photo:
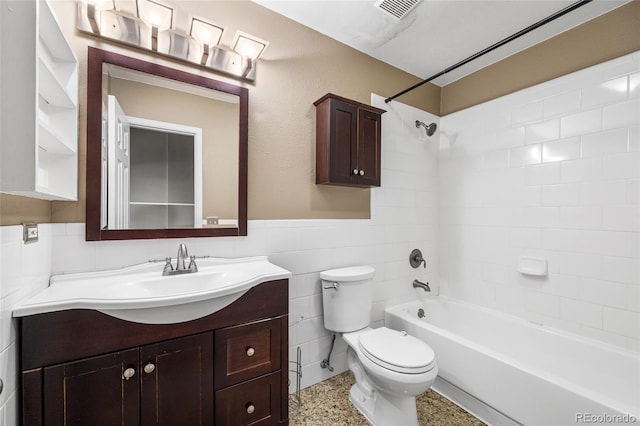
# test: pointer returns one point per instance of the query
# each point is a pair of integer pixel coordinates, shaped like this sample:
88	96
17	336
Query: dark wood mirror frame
96	58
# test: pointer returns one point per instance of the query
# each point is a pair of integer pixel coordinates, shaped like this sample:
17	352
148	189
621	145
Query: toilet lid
397	351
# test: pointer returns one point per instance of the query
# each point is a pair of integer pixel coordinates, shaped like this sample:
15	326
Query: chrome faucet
180	268
182	255
420	284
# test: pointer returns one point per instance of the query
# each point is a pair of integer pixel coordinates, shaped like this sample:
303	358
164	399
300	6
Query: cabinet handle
250	408
250	351
128	373
149	368
355	171
361	172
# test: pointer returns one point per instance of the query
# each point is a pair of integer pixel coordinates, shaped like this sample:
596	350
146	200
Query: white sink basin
141	294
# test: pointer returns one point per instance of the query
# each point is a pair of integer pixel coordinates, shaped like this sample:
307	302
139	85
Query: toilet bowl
390	367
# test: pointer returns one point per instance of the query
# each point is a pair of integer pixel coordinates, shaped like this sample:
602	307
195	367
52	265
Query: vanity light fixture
207	34
250	48
153	26
94	12
157	16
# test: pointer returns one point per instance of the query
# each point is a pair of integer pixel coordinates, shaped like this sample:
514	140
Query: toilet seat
396	351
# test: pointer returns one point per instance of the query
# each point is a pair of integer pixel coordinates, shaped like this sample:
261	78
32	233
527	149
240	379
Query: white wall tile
621	218
543	131
542	174
621	166
634	86
622	322
584	170
621	269
562	104
526	155
560	239
603	143
581	123
590	314
607	293
561	150
621	114
566	194
611	91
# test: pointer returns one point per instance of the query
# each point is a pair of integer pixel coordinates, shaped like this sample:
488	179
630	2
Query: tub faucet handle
416	259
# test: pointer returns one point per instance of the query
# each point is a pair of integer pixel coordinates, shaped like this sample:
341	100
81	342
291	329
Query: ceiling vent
397	8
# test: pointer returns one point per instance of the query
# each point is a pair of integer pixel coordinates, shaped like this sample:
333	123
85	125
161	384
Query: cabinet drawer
247	351
254	402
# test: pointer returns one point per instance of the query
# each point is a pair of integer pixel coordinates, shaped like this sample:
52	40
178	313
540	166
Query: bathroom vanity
85	367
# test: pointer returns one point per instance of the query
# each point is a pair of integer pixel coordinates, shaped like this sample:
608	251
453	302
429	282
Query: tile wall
24	270
550	171
404	216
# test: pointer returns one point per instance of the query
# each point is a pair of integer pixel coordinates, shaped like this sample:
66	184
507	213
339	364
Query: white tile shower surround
487	205
550	171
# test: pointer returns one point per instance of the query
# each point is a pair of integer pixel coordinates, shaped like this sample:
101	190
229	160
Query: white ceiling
437	33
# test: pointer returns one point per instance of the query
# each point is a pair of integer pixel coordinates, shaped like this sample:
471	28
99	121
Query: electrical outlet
30	232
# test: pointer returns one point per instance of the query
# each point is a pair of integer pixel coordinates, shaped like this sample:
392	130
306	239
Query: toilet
390	367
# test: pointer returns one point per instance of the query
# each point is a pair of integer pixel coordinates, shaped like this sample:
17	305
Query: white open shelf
39	143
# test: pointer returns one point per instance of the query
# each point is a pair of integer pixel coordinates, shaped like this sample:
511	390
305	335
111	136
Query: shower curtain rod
502	42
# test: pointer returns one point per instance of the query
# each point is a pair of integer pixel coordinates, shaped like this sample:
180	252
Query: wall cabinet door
177	382
103	390
348	142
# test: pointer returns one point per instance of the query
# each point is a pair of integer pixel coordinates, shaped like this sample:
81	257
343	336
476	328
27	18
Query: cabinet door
103	390
343	136
177	382
369	144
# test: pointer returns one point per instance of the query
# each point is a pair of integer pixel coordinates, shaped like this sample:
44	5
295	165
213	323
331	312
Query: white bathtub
531	374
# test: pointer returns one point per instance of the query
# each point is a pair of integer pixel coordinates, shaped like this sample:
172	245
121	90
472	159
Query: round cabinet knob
355	171
361	172
149	368
250	351
128	373
250	408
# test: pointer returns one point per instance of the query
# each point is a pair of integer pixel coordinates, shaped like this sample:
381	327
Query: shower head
430	128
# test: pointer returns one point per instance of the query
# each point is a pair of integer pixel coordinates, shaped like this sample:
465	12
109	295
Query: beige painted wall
299	67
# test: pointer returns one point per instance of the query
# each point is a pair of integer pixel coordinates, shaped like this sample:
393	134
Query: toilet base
384	410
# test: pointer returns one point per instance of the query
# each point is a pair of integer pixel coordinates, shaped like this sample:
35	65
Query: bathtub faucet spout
420	284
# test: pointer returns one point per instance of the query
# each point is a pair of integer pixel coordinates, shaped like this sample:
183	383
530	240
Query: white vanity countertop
141	294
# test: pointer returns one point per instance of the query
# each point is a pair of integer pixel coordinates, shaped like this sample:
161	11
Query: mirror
166	152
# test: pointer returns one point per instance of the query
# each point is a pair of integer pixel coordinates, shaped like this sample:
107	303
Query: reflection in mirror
171	152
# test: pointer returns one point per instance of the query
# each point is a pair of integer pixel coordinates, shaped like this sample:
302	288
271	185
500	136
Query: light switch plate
30	232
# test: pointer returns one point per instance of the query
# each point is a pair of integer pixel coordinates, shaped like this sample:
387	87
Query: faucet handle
167	266
192	264
416	259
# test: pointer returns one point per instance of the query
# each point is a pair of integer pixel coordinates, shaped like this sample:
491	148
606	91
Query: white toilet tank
347	298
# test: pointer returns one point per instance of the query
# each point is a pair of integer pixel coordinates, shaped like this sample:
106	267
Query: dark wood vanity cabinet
82	367
348	142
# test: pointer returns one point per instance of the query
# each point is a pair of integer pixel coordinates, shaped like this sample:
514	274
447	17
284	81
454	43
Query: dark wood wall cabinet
348	142
82	367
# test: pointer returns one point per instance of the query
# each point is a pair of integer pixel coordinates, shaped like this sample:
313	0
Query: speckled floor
327	403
